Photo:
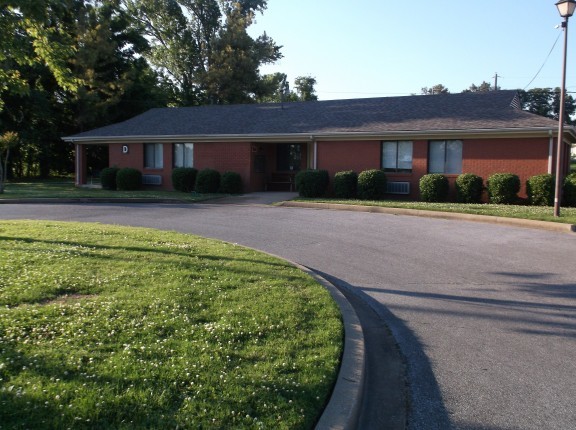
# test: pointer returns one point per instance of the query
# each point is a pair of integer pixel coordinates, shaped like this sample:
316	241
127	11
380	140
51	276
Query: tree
276	89
436	89
203	50
483	87
35	36
546	102
7	141
305	88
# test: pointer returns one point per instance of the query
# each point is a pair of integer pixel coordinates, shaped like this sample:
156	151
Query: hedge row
184	179
368	185
206	181
502	188
126	179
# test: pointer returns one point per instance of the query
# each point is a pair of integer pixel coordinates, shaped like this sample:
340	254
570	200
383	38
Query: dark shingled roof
495	110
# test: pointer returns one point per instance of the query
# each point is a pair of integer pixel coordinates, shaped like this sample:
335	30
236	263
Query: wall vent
151	180
398	187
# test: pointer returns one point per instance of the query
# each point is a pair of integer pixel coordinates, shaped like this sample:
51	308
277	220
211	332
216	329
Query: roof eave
570	133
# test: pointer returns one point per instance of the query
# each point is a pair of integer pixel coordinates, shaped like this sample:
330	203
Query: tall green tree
546	102
203	50
31	33
436	89
483	87
277	89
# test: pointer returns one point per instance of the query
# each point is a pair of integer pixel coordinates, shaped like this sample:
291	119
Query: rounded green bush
540	190
108	178
129	179
503	188
345	184
569	196
208	181
184	179
312	183
434	187
469	188
371	185
231	183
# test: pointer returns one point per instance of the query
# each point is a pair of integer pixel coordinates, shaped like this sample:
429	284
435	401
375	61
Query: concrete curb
517	222
94	200
343	409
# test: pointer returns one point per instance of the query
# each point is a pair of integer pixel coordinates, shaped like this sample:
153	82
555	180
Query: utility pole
496	82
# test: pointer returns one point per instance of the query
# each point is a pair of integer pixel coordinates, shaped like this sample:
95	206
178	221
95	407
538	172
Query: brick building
408	137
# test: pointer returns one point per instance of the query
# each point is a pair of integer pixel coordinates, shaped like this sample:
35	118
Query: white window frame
153	156
445	156
393	163
183	155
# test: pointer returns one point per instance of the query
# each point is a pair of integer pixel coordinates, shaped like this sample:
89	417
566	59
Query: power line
544	63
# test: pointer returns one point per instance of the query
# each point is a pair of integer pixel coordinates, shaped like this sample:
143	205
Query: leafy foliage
231	183
108	178
540	190
546	102
371	185
208	181
469	188
128	179
345	184
434	187
184	179
569	188
503	188
312	183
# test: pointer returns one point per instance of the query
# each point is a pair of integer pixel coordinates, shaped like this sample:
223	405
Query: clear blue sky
375	48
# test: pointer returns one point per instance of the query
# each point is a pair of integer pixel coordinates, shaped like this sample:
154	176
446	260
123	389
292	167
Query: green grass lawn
116	327
60	190
541	213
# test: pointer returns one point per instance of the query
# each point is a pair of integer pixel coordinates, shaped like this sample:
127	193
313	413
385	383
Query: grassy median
115	327
539	213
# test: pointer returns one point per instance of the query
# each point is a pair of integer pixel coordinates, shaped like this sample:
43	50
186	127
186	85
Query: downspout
78	179
550	151
315	153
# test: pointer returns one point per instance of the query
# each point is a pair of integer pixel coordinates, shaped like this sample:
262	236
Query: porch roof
485	112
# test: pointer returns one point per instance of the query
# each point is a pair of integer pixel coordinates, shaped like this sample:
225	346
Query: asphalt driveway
485	315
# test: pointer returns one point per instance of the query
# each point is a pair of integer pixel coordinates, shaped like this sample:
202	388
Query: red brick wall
483	157
523	157
339	156
225	157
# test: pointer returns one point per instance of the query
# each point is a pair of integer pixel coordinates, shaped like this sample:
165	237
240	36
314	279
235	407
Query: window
397	156
153	155
445	156
183	155
288	157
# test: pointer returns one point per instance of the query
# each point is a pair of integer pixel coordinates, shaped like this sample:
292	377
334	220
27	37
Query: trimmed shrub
312	183
540	190
371	185
569	196
108	178
231	183
503	188
184	179
434	187
128	179
345	184
469	188
208	181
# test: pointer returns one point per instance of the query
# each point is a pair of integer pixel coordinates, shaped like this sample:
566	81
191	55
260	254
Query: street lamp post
566	9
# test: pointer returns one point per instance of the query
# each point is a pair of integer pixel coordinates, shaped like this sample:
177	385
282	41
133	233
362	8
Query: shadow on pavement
400	388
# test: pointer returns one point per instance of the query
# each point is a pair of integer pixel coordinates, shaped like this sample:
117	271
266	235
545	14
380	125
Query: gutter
340	136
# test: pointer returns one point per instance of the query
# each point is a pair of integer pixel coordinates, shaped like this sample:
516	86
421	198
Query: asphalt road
485	315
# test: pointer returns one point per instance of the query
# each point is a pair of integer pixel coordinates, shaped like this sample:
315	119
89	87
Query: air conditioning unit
151	180
398	187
